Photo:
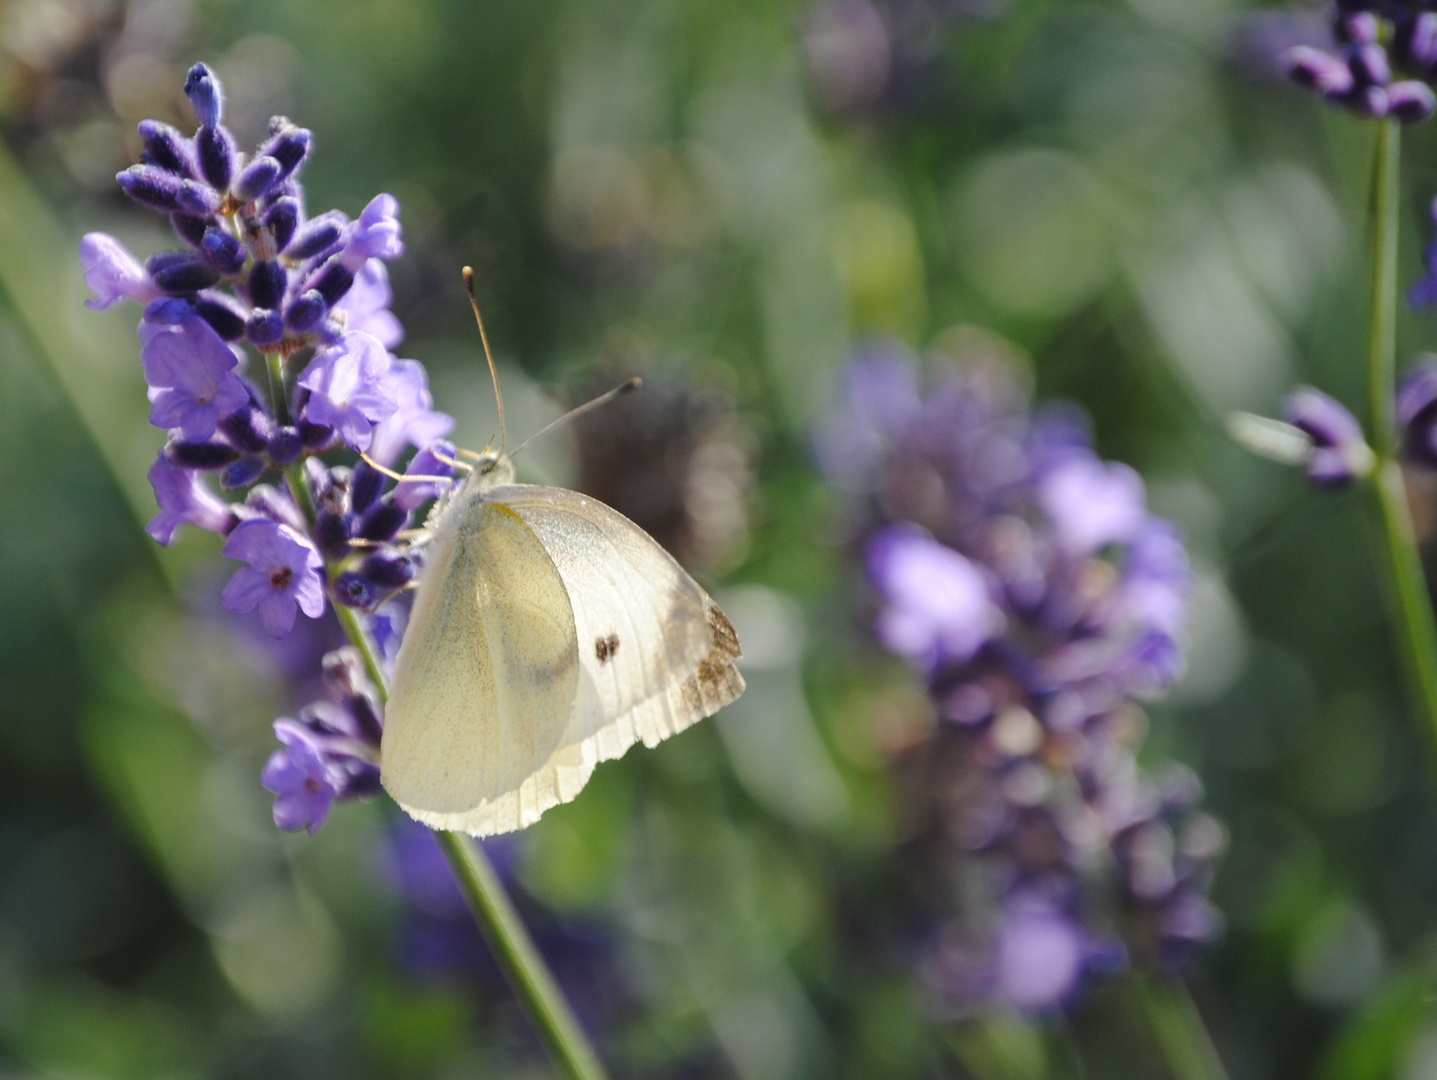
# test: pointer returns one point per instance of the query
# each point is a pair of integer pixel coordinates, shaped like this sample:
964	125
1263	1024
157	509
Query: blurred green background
723	195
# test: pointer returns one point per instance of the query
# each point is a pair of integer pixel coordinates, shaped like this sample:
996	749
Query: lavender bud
223	313
383	521
367	717
317	235
307	311
267	281
332	533
1368	100
198	200
352	590
206	97
1369	66
282	218
183	275
285	446
1318	70
242	473
249	429
1360	28
225	253
152	186
331	281
344	672
365	487
256	178
167	148
215	148
200	455
289	147
1420	41
388	570
1410	101
264	328
1339	452
190	229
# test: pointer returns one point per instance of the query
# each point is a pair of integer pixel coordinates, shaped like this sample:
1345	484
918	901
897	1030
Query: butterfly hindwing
486	678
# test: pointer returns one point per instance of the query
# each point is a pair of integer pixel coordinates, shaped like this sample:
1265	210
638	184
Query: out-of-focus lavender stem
1409	603
1178	1027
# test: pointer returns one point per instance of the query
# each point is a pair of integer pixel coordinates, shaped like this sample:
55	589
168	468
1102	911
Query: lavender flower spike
347	384
283	573
113	274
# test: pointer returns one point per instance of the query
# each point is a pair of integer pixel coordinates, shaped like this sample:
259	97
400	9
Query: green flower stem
1409	606
503	929
1177	1027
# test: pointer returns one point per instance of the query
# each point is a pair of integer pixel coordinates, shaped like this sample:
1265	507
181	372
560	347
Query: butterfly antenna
489	356
588	406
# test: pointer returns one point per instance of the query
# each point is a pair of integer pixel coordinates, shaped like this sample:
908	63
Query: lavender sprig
311	296
1374	41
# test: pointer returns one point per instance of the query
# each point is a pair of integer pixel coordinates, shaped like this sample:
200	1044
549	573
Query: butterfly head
490	468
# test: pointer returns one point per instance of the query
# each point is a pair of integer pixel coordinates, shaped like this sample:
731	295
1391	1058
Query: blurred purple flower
283	573
304	790
1039	956
113	274
414	422
366	306
1340	454
1092	503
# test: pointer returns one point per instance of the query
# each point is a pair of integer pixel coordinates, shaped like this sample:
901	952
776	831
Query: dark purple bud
152	186
1339	452
190	229
1318	70
285	446
277	506
215	149
1368	100
206	97
366	717
332	533
307	312
1417	411
317	235
331	281
223	313
1420	40
264	328
267	281
1360	28
365	486
388	570
282	218
256	178
289	147
242	473
200	455
1368	64
383	521
166	146
352	590
249	429
315	436
1410	101
183	275
223	250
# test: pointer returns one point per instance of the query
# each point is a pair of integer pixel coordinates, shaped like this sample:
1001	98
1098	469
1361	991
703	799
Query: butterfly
549	633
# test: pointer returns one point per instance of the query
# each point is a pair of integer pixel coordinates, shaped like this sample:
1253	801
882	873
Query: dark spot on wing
606	647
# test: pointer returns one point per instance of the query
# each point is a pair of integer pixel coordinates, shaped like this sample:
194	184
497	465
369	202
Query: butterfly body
549	633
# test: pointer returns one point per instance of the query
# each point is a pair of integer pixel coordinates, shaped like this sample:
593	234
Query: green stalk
1178	1028
1409	606
500	923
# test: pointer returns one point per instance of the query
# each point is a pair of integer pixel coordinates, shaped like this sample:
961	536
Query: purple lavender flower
366	306
184	499
304	790
113	274
1025	579
414	421
374	236
348	388
937	608
1339	454
1417	411
1371	41
283	573
190	370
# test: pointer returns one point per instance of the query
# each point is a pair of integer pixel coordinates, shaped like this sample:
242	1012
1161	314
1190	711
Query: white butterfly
549	633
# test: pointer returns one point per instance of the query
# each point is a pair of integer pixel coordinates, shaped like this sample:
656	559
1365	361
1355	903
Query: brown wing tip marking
716	681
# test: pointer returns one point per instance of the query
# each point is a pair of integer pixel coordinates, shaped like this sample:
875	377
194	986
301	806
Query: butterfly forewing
486	678
655	652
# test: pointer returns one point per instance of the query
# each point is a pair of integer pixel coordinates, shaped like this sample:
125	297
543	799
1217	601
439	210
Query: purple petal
113	274
277	611
1092	503
246	589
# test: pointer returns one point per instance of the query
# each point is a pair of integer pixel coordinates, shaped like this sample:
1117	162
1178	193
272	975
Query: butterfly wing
655	652
486	679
